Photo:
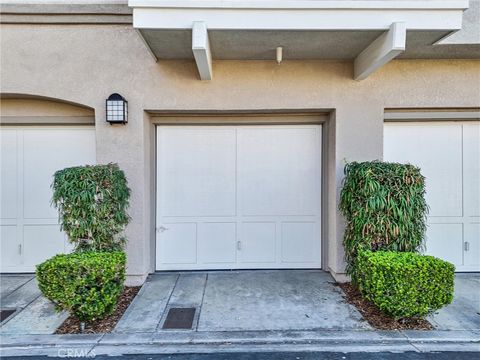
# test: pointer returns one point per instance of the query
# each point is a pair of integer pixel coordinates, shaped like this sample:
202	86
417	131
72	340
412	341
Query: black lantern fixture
117	109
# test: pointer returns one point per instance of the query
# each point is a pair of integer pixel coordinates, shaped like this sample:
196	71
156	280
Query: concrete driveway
244	300
239	311
464	312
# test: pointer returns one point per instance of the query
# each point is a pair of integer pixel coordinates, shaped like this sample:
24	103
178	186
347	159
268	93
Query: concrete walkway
34	314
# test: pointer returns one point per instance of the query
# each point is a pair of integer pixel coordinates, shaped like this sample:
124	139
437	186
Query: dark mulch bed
72	325
377	318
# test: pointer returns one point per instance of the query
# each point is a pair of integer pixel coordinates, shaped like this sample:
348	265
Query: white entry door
238	197
448	154
29	230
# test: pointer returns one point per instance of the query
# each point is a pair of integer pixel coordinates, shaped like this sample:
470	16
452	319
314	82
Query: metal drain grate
179	318
4	314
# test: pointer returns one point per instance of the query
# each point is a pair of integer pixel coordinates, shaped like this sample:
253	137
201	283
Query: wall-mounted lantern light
117	110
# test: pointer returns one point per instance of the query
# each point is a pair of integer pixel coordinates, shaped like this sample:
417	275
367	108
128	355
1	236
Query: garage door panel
30	156
178	244
448	154
471	133
445	241
299	242
235	185
427	146
8	173
258	242
41	242
197	170
273	164
472	236
216	243
46	151
10	242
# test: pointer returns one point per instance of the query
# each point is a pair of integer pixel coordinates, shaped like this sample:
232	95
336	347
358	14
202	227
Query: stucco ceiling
323	45
308	30
425	45
470	32
261	45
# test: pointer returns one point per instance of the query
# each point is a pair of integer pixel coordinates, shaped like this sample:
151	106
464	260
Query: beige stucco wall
40	107
85	63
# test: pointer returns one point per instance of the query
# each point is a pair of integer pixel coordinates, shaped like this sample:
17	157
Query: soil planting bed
72	325
375	317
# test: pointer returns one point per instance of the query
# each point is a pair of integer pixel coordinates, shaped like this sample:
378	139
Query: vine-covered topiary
384	207
92	203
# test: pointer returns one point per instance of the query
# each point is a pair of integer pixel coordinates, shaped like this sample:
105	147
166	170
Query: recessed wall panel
257	242
471	166
10	248
278	171
47	150
216	243
42	242
178	243
472	248
437	150
300	242
445	241
9	181
197	172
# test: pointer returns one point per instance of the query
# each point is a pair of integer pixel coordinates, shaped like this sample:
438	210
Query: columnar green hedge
92	203
87	284
384	207
405	284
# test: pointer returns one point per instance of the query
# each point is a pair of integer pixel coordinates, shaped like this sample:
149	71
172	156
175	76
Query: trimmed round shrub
92	203
87	284
384	207
405	285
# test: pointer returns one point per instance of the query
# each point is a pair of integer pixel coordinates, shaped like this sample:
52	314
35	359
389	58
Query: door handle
466	246
239	245
161	229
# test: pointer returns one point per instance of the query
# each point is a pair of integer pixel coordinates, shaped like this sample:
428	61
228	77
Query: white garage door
449	157
29	157
238	197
